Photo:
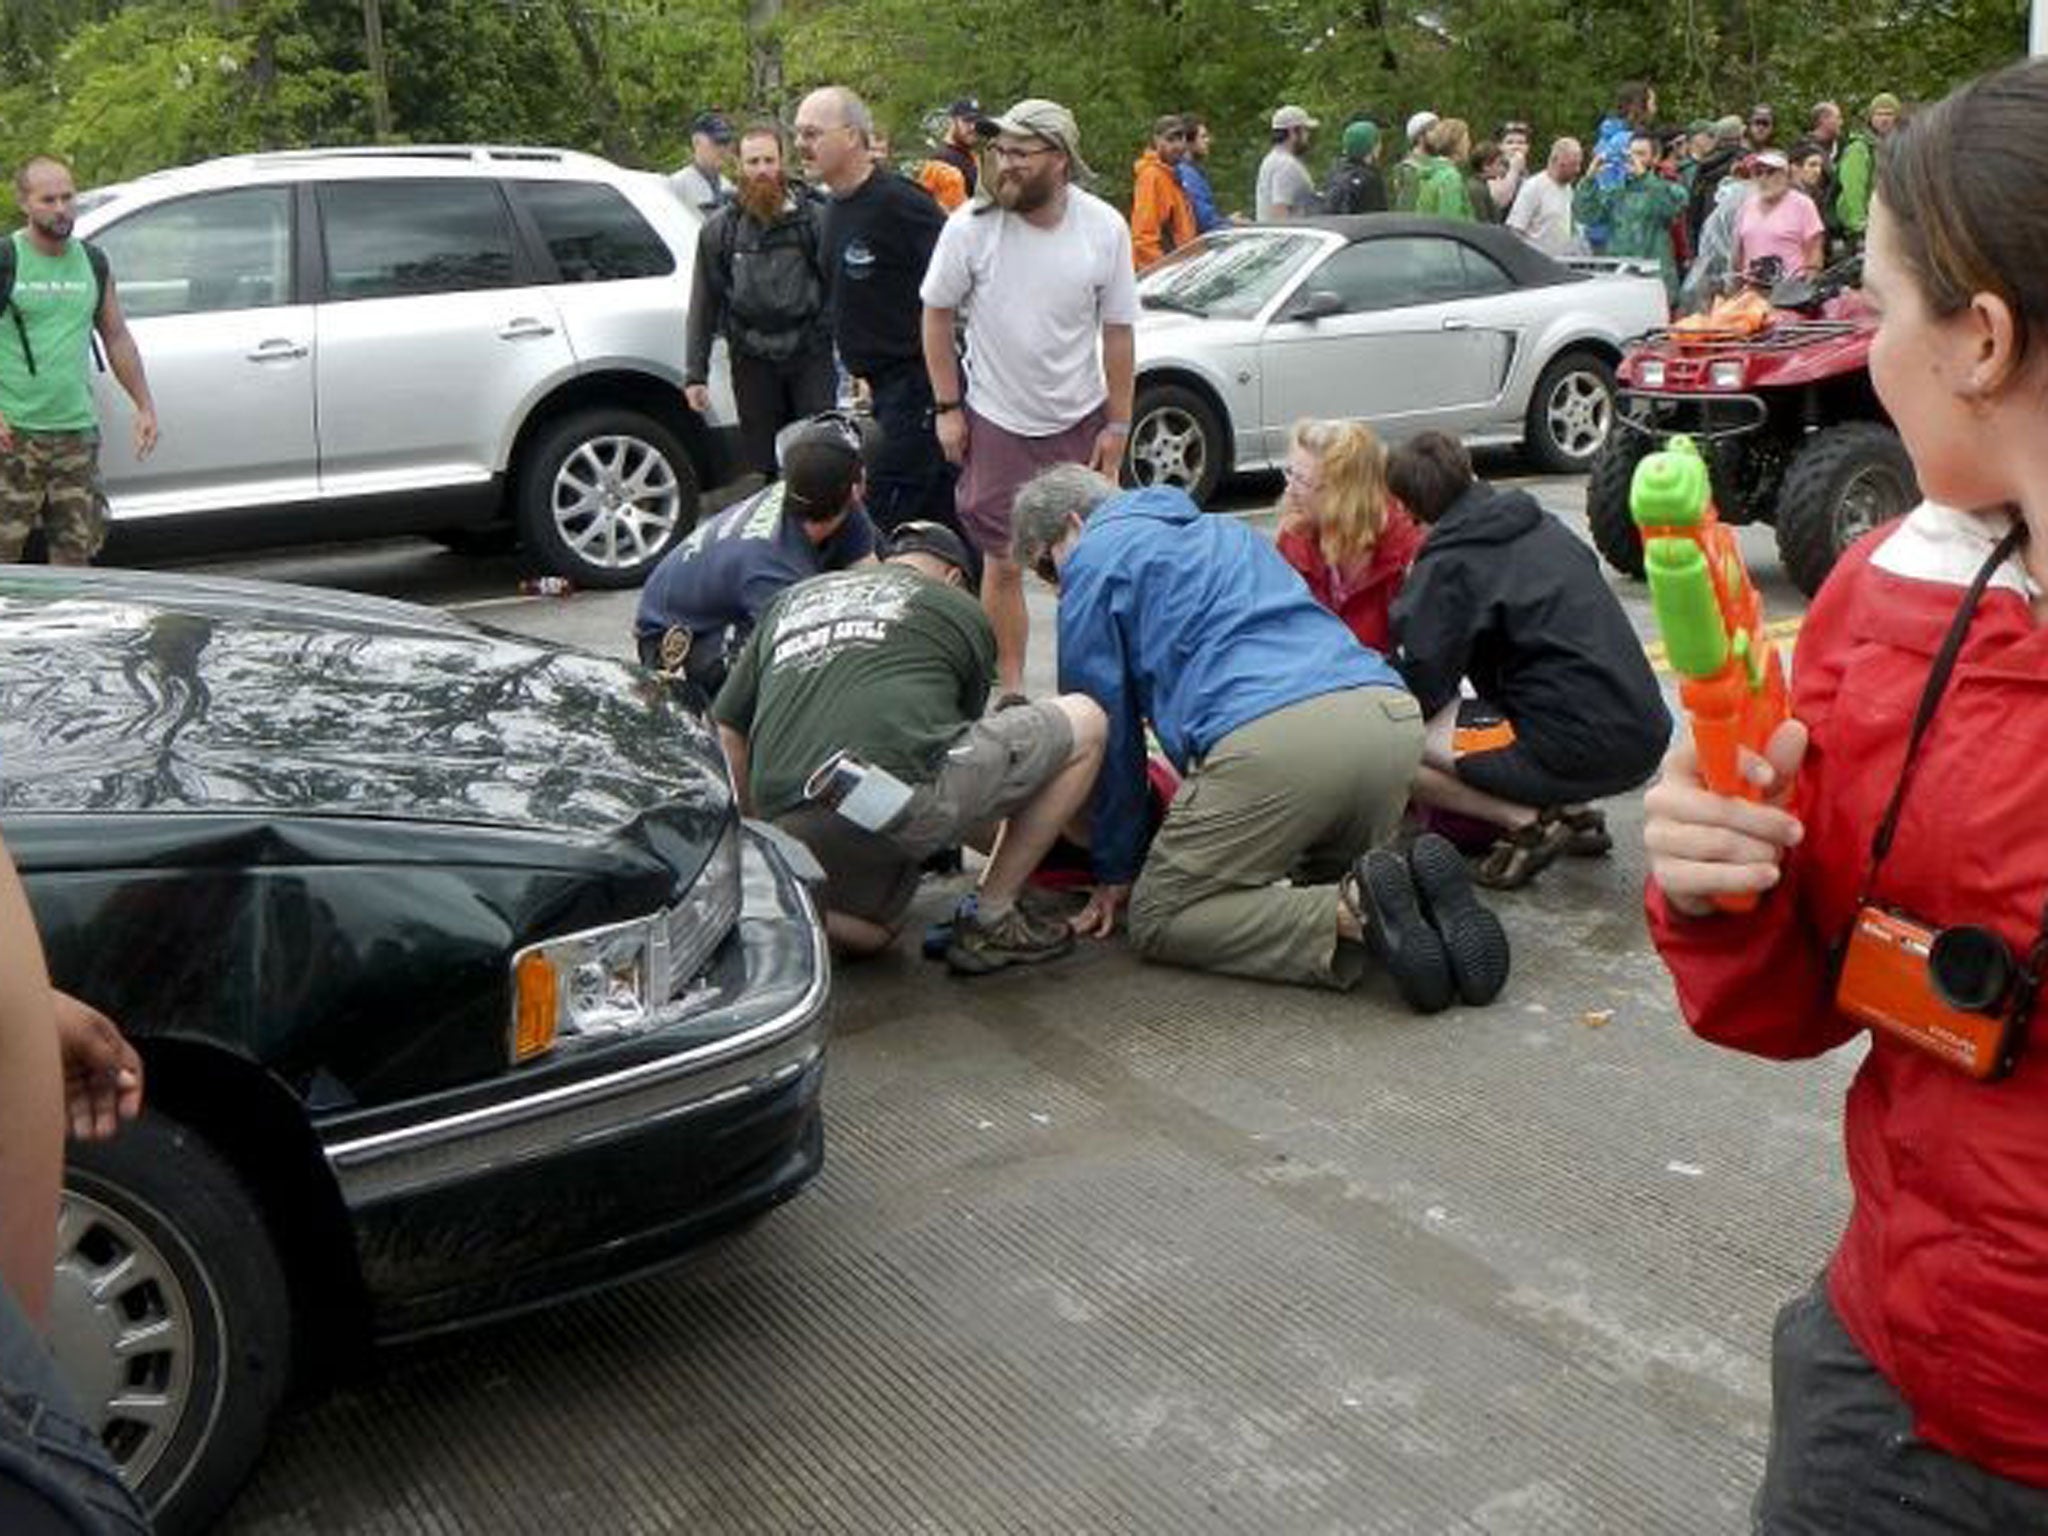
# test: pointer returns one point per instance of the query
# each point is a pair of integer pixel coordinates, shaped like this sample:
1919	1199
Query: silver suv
469	342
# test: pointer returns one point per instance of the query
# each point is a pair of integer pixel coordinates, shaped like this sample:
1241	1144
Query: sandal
1520	857
1589	839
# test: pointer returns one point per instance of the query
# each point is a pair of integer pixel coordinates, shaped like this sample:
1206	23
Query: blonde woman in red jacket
1342	529
1910	1385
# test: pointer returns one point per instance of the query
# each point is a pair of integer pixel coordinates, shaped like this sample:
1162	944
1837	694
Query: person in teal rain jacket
1637	212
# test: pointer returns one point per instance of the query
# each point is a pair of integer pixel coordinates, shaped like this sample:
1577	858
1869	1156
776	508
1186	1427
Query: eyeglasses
1045	569
809	134
1010	154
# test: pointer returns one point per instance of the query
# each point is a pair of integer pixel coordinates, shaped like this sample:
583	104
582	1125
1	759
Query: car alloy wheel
124	1327
1579	413
1178	439
616	501
1168	448
1571	412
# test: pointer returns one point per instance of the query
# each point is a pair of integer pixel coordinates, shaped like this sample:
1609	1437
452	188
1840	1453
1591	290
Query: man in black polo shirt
878	240
703	600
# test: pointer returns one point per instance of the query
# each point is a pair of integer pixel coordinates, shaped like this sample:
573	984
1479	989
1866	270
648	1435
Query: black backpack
785	277
95	258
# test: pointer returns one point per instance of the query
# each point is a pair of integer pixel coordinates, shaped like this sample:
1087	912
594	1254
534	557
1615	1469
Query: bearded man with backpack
760	283
55	293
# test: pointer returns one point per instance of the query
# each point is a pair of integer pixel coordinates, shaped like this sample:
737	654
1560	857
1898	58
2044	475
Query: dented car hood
136	692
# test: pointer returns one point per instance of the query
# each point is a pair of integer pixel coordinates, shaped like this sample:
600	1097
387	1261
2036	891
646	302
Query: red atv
1777	394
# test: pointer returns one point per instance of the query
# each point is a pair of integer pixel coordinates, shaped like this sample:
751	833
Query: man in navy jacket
1297	744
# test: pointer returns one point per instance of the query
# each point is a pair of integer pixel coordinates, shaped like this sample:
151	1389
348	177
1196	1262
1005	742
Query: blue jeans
55	1477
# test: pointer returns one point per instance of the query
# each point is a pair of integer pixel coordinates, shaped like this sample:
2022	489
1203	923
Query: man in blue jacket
1297	743
1195	181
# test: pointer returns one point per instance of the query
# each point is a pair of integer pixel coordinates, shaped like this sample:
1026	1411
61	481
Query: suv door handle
1457	323
277	349
525	328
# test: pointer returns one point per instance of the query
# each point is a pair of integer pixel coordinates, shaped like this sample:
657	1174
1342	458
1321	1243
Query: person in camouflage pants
58	295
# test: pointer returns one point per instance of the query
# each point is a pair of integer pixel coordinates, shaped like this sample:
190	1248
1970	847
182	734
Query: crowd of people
1648	190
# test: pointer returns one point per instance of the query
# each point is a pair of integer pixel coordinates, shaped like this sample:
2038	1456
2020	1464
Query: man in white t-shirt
1285	190
1542	212
1046	270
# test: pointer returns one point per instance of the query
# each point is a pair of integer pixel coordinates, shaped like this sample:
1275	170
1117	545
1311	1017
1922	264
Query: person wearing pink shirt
1778	222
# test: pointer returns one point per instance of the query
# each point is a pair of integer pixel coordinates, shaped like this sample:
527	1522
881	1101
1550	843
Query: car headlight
626	977
1650	373
1727	373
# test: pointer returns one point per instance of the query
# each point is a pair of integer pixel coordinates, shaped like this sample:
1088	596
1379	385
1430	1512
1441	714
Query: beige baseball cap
1037	118
1293	117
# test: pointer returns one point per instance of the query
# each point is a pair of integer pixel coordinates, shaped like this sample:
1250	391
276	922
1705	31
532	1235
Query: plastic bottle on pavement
546	586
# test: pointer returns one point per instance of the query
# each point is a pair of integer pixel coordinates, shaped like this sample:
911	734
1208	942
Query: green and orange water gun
1731	680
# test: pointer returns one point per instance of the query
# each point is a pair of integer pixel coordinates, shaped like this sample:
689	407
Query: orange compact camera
1950	992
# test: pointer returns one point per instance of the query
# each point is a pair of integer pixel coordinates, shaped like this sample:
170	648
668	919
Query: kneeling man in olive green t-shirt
889	666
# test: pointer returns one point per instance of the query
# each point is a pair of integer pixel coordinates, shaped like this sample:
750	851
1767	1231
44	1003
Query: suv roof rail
540	153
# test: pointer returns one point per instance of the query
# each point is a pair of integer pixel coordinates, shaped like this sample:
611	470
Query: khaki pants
1299	793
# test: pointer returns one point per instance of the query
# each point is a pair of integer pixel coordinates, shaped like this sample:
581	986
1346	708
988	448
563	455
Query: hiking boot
1016	938
1382	895
1475	944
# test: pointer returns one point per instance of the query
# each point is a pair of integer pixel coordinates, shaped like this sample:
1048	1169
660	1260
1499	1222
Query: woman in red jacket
1343	529
1910	1386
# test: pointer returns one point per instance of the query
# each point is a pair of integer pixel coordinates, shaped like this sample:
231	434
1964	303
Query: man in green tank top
49	434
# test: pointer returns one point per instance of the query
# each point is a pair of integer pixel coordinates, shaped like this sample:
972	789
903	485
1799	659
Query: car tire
1607	515
1177	440
1844	482
1571	413
603	495
192	1309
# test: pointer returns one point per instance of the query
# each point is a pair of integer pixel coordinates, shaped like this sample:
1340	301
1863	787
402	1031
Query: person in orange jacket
1161	220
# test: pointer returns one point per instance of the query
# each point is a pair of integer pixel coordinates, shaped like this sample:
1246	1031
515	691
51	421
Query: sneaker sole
1474	941
1400	935
962	961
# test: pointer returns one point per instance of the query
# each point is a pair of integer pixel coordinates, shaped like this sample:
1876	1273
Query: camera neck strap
1930	696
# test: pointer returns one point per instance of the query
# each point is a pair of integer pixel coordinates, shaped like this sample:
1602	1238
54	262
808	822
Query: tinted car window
1387	274
389	239
593	233
221	250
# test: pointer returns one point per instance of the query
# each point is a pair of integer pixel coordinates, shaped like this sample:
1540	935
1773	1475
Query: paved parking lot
1112	1248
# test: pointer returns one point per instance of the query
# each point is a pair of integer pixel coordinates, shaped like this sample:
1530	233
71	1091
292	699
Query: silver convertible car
1405	323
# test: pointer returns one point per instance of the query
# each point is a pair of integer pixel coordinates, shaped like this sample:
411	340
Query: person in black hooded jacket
1568	711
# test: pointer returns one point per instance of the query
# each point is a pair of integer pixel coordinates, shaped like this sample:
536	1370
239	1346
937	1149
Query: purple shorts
998	464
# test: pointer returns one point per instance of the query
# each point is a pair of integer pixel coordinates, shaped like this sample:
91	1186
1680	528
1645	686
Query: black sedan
459	983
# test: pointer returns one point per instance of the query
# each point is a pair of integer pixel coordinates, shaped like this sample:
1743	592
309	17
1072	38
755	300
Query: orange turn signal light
534	1008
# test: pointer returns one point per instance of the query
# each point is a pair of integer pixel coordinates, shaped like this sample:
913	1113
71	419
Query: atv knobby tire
1614	531
1844	482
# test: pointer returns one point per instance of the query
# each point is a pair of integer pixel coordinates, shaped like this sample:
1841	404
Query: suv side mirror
1315	304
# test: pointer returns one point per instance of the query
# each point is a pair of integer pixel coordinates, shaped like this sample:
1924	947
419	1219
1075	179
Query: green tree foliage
125	86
